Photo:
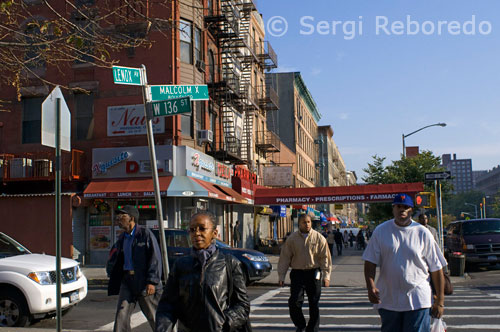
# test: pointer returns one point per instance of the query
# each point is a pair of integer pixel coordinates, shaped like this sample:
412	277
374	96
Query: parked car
28	284
477	239
255	264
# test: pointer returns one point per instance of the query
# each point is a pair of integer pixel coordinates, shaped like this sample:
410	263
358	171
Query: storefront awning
237	198
184	186
125	188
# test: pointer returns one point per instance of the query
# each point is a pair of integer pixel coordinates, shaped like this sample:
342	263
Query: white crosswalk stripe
348	309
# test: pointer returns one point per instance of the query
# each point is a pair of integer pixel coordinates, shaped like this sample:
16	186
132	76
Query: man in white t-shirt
405	252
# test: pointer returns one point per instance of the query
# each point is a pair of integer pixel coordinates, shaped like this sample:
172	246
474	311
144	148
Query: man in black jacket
134	268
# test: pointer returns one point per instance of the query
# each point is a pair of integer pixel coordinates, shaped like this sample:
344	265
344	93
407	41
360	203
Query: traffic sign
437	176
171	107
49	118
163	92
127	75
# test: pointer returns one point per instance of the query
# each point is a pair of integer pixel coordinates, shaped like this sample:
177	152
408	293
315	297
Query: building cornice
306	96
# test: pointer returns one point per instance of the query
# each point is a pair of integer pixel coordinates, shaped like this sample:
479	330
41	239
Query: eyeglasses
200	229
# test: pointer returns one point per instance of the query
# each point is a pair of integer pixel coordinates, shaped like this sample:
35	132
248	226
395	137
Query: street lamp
416	131
475	207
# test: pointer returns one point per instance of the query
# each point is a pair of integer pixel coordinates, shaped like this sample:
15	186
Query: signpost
171	107
163	92
437	177
128	75
56	133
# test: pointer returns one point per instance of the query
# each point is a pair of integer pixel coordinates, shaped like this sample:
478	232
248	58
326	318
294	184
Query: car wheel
13	309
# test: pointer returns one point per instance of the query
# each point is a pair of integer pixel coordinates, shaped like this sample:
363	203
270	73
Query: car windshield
9	247
221	244
482	227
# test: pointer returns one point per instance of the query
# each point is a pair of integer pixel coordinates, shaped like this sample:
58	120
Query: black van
477	239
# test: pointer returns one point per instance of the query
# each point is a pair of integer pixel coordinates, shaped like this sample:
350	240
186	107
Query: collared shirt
303	252
128	264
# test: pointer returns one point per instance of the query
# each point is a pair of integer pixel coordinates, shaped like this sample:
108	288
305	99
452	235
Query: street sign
127	75
49	121
437	176
163	92
171	107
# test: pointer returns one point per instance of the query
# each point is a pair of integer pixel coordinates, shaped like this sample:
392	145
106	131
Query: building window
198	51
211	67
187	125
210	7
84	104
32	120
186	41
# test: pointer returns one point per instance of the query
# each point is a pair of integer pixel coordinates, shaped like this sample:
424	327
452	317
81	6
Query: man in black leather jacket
134	268
206	290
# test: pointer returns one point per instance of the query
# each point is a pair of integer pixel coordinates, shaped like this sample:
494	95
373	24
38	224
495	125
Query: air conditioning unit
20	168
42	167
204	136
200	65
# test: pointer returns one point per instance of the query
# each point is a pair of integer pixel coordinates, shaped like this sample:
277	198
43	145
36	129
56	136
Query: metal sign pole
439	213
58	214
154	169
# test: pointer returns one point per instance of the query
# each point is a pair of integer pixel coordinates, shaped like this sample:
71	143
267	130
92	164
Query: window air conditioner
204	136
200	65
20	168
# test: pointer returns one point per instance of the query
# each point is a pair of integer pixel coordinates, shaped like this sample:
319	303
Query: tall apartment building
461	172
476	175
207	160
296	124
489	181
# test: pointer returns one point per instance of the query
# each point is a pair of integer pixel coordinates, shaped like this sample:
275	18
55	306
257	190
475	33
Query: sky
379	69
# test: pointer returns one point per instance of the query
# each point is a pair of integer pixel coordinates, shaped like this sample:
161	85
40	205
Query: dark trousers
304	280
126	305
339	248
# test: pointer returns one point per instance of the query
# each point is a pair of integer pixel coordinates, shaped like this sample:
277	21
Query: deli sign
222	171
130	120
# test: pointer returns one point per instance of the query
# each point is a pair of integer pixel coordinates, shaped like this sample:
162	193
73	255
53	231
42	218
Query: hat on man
403	199
130	210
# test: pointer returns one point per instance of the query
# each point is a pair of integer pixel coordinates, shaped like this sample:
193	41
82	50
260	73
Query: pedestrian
346	238
306	252
360	240
135	269
331	241
206	289
424	221
405	253
338	241
237	234
351	239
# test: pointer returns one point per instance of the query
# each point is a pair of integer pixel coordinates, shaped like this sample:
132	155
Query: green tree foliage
454	204
406	170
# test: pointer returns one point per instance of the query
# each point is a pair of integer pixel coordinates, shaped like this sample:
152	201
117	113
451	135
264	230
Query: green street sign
171	107
127	75
163	92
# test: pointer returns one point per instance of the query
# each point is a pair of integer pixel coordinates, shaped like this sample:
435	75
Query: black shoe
300	329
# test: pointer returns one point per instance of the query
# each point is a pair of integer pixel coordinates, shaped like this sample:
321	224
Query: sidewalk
347	272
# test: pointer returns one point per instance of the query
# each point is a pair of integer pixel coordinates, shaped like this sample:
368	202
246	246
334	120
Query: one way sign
437	176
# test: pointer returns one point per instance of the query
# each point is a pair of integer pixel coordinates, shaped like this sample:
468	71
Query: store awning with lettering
328	195
125	188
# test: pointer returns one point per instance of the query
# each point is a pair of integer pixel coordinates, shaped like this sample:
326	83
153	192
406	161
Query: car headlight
43	278
255	258
79	272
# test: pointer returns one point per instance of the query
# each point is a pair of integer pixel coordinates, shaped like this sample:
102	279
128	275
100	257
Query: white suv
28	284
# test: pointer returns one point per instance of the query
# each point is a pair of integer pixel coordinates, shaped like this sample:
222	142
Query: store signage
334	199
222	171
130	120
144	166
245	174
200	162
102	167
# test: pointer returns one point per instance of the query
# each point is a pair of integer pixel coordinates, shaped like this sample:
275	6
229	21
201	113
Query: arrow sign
171	107
437	176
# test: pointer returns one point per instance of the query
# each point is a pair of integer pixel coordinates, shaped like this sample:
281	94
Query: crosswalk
348	309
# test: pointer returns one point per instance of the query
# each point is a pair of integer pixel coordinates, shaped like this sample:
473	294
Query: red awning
125	188
233	193
328	195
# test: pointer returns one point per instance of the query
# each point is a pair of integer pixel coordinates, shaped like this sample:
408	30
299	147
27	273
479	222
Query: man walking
405	253
339	241
424	221
135	269
306	252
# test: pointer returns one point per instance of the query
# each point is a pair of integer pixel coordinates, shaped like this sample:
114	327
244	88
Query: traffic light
425	200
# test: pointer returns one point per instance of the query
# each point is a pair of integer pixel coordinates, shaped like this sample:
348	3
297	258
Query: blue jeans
405	321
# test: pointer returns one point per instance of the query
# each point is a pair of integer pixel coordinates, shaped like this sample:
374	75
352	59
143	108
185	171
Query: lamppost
475	207
416	131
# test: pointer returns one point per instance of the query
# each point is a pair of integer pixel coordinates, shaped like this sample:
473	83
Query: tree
36	34
406	170
455	204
